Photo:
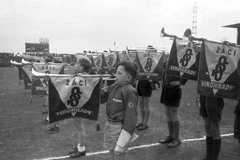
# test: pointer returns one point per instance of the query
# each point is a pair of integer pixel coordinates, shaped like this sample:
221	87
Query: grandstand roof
237	25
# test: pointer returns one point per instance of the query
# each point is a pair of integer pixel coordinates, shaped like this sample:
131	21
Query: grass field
23	137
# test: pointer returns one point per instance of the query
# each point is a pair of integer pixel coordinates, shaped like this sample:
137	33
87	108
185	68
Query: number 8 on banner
74	97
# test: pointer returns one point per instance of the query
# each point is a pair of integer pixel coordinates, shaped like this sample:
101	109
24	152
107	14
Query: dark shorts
237	122
144	88
211	107
171	96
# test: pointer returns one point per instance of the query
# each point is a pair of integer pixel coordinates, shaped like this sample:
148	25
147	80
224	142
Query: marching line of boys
121	100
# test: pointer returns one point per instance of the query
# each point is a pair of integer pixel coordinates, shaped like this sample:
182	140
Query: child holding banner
121	109
170	97
211	111
48	58
237	122
83	66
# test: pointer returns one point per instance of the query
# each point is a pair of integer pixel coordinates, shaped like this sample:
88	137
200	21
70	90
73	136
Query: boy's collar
123	84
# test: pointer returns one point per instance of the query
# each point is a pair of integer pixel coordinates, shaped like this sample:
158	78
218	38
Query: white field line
131	148
3	94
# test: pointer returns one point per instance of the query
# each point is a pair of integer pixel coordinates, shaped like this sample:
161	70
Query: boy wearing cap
55	128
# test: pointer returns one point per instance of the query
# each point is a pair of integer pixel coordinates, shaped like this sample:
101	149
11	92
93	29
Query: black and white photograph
119	80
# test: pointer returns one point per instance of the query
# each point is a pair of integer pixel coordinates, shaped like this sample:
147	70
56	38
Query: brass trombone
186	34
229	43
164	34
191	38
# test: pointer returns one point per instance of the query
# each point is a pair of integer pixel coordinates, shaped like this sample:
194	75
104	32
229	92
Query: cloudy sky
76	25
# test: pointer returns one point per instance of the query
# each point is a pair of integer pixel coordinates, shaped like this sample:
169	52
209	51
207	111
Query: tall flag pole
114	46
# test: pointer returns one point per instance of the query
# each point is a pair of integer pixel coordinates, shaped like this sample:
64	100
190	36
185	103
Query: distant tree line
5	58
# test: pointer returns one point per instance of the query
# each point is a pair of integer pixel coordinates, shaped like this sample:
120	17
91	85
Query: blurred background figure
144	89
237	122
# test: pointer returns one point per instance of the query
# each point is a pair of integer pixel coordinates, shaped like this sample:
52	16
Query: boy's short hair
130	67
85	62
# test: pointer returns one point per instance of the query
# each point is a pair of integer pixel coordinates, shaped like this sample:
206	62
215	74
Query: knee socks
176	129
209	147
170	128
216	148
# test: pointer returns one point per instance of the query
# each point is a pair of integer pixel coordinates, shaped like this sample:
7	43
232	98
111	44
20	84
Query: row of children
122	101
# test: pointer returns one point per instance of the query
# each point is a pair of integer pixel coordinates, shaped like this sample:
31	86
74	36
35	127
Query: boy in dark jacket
121	110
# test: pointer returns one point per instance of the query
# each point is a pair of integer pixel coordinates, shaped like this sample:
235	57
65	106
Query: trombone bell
163	34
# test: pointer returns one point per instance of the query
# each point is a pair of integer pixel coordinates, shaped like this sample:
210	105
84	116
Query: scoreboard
37	48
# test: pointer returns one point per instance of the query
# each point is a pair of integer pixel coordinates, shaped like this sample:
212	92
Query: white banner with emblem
219	71
72	97
184	60
40	84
